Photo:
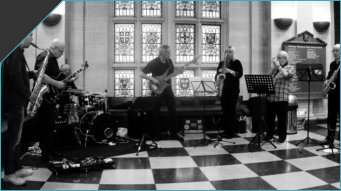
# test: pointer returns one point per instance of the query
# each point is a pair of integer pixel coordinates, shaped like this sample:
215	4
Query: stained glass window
124	8
151	8
151	41
124	42
210	43
184	9
145	87
184	42
124	83
211	9
182	84
209	75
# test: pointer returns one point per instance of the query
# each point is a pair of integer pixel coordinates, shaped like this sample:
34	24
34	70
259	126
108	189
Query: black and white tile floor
185	165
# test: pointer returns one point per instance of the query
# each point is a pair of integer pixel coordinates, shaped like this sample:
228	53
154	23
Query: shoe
326	141
14	180
268	138
24	172
281	141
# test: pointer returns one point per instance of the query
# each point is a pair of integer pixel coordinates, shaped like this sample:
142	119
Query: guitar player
46	113
158	67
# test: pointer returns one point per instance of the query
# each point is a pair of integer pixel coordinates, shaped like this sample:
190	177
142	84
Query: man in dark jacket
15	96
47	111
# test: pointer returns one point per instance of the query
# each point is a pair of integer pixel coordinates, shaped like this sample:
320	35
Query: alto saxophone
39	88
330	85
220	78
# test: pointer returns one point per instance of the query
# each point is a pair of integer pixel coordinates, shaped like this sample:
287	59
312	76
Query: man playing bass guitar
163	66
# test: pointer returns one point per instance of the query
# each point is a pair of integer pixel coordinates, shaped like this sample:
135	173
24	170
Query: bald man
65	71
46	113
333	97
282	73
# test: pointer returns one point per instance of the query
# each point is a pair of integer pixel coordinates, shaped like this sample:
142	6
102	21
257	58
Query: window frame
168	20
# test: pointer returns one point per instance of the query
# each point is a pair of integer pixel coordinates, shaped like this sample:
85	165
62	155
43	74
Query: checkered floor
190	165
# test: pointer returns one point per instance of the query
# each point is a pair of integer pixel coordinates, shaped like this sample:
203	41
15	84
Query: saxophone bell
221	76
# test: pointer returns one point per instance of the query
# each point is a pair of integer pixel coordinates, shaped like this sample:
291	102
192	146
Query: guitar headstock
196	59
85	65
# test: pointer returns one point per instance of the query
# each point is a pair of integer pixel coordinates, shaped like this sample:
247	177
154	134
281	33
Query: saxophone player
232	70
15	96
333	97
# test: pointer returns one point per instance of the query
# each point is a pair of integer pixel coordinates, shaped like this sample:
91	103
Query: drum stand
145	137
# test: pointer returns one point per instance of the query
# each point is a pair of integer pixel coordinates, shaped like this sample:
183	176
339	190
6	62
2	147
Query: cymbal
75	91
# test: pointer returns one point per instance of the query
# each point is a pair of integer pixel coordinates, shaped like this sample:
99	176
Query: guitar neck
68	79
175	73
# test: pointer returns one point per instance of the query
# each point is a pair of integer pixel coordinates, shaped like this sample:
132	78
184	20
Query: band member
31	125
65	72
47	111
15	96
282	74
333	97
157	67
233	70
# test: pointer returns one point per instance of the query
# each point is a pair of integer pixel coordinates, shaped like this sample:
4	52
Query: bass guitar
159	87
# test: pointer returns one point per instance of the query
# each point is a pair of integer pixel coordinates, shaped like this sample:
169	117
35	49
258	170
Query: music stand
143	105
202	87
305	73
263	86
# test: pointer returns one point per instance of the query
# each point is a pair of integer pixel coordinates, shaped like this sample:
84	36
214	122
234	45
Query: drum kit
88	113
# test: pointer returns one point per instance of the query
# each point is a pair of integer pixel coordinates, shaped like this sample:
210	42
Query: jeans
168	97
12	147
47	117
281	110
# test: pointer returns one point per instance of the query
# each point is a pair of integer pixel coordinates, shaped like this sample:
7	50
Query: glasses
61	51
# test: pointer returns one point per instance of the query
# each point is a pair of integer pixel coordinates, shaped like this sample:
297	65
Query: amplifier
62	119
193	126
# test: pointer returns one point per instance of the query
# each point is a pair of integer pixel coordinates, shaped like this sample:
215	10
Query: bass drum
100	127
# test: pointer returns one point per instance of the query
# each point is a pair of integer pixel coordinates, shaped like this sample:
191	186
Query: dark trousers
47	117
169	99
12	147
333	110
228	104
280	110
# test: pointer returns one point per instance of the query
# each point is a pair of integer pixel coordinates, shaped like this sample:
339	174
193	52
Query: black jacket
15	87
332	69
231	83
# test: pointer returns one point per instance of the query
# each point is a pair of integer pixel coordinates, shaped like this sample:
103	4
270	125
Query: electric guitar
66	80
158	88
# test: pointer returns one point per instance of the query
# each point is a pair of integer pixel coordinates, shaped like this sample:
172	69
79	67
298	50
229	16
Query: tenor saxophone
330	85
221	78
39	88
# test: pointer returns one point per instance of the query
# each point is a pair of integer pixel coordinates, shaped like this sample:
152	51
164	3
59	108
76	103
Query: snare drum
86	101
